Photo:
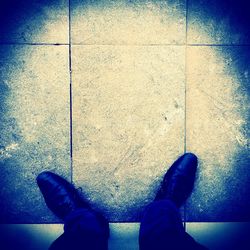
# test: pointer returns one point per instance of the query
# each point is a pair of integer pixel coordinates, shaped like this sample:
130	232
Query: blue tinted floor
124	236
108	94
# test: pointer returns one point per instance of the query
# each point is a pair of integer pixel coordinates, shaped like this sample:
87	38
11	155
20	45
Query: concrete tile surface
218	22
34	125
218	132
128	123
128	102
29	21
128	22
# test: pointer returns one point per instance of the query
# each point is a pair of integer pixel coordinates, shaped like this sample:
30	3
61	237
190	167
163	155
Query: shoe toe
44	177
191	158
189	163
179	180
46	181
59	194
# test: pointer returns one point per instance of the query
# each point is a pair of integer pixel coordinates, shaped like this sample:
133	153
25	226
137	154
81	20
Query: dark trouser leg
83	229
162	229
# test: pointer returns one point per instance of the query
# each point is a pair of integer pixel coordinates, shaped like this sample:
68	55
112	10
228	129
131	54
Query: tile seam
185	104
36	44
132	45
70	94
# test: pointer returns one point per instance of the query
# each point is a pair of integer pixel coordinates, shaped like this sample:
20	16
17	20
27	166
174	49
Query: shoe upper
60	196
179	180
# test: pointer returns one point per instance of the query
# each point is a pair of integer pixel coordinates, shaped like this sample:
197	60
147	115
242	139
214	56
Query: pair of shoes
62	197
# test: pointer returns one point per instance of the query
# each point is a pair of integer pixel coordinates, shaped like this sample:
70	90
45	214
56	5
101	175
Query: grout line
37	44
185	101
124	45
70	98
217	45
185	104
131	44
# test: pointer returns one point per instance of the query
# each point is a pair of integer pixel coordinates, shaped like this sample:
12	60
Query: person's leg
84	228
161	225
162	229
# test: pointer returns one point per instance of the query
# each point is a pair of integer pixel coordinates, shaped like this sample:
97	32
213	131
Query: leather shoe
179	180
60	196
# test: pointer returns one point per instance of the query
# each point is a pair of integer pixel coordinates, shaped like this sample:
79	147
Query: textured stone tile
34	21
218	132
218	22
34	125
128	22
128	123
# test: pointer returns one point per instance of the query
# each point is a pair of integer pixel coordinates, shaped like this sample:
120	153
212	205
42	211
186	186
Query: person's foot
60	196
178	182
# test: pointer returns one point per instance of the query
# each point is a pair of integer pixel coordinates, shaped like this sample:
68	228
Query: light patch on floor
128	78
128	113
128	22
38	100
34	125
217	108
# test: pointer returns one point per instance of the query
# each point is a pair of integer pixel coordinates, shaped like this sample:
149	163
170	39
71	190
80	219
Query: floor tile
28	21
128	22
128	123
218	22
34	125
218	131
29	236
124	236
217	236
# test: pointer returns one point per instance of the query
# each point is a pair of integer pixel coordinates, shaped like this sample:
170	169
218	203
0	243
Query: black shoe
179	180
60	196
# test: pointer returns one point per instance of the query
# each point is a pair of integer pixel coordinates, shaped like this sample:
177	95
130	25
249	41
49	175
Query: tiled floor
109	93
